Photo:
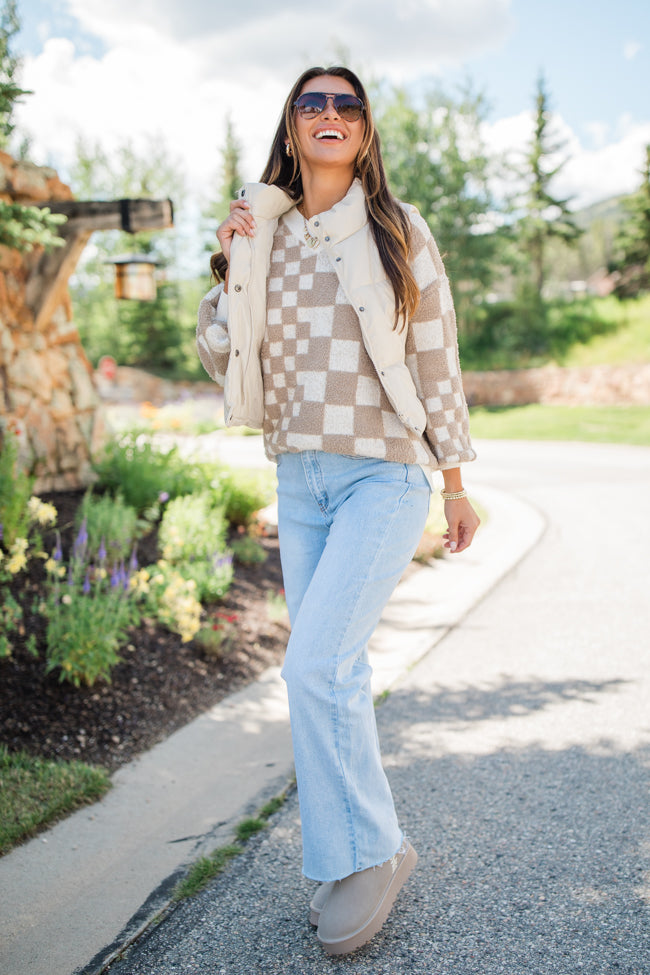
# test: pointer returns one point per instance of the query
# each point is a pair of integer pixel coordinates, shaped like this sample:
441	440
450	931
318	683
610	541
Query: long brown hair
391	228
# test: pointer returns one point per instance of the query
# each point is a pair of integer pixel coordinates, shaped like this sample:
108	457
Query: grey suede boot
358	906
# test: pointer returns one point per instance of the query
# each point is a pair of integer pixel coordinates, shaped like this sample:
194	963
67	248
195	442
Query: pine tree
10	90
632	244
545	215
229	181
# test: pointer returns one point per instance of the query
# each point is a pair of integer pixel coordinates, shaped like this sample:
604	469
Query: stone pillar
47	389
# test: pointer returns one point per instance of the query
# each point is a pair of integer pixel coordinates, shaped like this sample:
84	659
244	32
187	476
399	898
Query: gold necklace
309	237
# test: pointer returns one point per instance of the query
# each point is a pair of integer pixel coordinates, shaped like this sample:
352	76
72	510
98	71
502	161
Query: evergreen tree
545	215
632	244
229	182
10	90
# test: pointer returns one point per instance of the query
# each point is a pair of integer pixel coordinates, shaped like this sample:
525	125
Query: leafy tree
633	241
435	159
21	227
545	216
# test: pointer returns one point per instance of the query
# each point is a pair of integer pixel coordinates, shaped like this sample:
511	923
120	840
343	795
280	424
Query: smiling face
328	140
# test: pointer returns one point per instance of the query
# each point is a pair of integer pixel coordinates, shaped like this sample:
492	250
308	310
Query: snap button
338	258
316	223
236	352
362	308
327	238
238	287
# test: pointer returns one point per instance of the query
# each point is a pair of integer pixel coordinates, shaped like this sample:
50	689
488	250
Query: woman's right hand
239	222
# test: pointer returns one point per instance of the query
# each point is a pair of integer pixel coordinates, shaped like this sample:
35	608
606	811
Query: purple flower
115	578
86	585
123	576
133	561
219	561
101	554
163	496
2	531
57	555
81	541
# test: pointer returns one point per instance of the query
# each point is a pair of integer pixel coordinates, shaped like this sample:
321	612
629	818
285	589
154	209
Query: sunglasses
313	103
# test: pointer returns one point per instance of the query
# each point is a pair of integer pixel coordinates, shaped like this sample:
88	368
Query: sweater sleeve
432	354
212	339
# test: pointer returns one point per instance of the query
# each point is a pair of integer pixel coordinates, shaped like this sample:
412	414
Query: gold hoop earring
288	150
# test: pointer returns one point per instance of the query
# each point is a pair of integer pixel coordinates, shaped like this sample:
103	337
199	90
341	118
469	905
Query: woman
334	331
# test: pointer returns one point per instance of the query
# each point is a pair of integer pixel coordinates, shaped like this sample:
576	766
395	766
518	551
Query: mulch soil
160	684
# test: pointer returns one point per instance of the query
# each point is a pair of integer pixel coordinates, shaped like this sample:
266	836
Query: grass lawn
34	792
537	421
629	341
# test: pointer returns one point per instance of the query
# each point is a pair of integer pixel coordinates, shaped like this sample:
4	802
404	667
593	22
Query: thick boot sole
375	923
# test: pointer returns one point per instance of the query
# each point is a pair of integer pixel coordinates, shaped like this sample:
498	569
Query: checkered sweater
321	389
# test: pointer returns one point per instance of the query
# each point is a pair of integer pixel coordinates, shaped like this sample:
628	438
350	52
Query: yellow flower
17	560
51	565
66	599
40	511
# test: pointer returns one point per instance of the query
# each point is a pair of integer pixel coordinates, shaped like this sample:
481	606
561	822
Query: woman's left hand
462	523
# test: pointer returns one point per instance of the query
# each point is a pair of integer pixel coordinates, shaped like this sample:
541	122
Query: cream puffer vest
347	238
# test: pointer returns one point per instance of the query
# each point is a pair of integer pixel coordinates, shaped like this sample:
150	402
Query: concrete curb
73	897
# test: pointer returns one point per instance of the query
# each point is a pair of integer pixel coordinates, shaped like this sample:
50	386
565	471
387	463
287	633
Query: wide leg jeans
348	527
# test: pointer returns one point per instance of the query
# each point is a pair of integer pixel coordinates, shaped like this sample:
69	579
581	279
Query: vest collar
344	219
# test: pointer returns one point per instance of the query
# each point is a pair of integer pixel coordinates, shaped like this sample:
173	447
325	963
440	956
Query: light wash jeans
348	527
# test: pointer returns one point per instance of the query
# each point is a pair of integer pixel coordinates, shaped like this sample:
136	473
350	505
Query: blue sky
175	67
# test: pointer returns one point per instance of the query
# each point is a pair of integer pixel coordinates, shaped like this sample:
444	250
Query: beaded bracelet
453	495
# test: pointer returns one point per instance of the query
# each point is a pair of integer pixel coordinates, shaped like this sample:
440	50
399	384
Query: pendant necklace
309	237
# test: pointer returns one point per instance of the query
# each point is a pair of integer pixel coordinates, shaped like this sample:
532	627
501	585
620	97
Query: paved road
519	755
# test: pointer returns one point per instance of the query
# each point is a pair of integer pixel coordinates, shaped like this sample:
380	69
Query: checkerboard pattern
321	390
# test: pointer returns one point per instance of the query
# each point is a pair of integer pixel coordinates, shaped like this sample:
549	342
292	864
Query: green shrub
89	608
243	493
212	577
146	476
172	600
109	518
15	491
192	528
248	550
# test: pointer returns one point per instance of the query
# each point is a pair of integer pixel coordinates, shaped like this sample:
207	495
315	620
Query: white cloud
631	49
176	68
612	167
407	36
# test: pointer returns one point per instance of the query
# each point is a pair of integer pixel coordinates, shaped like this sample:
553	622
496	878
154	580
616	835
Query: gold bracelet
453	495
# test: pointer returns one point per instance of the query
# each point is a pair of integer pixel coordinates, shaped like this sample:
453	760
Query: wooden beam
132	216
54	268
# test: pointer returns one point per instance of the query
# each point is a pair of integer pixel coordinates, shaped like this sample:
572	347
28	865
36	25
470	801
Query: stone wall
589	385
47	390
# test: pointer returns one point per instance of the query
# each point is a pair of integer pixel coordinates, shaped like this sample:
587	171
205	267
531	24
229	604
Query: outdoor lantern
134	276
